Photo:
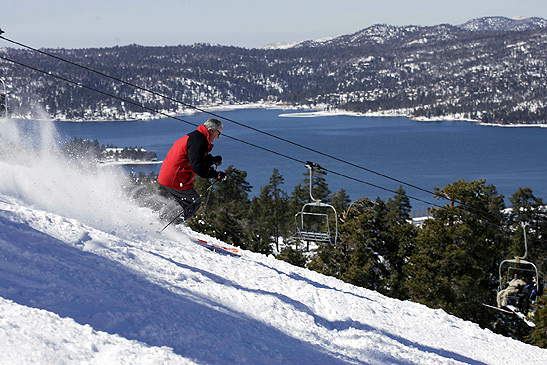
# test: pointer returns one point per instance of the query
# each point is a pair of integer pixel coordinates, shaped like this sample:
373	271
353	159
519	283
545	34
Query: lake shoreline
306	112
426	154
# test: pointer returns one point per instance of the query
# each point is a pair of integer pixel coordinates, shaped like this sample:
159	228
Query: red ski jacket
188	156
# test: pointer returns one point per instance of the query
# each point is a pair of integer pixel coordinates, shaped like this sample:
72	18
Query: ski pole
194	202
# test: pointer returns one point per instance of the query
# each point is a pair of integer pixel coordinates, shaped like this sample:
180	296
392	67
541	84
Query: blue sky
244	23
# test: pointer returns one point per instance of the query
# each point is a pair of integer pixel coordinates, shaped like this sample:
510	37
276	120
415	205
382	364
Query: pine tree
224	208
399	207
365	236
269	215
340	200
281	216
528	209
400	243
326	260
455	261
292	256
261	232
538	335
528	218
377	239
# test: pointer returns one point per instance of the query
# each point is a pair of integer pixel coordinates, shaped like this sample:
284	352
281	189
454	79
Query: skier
189	156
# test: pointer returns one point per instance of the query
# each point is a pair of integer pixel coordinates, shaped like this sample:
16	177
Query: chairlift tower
4	99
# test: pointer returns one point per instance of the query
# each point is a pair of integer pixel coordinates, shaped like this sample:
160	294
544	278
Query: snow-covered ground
85	278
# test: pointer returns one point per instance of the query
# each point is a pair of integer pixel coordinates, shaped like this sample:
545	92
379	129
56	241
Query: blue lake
424	154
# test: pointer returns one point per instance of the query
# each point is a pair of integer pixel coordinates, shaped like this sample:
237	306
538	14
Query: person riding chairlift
529	293
513	287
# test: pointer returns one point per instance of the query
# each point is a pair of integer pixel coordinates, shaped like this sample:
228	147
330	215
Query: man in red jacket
189	156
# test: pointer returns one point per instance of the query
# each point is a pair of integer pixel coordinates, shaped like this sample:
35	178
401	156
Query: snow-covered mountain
428	72
500	23
381	33
86	278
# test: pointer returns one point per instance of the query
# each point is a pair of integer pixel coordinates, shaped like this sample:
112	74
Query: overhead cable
222	117
187	122
237	123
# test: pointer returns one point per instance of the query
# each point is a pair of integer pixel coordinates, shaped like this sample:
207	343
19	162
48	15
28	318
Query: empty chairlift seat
313	222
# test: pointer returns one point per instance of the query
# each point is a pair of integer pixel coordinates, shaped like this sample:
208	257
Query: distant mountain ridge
383	32
500	23
441	71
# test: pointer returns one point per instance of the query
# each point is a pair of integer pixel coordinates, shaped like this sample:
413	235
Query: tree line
451	261
80	148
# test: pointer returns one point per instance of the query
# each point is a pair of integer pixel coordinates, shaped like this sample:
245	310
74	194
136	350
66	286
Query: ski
522	316
512	310
496	308
232	251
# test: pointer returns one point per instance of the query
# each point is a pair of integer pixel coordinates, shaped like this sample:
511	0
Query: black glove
217	160
221	176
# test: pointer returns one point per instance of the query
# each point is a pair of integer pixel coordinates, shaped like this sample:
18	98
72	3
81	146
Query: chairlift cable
248	127
187	122
227	119
48	73
222	117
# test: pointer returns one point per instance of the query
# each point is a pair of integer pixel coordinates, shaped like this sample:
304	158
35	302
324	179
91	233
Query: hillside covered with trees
84	149
489	74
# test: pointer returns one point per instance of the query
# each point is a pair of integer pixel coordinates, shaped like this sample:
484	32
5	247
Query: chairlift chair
518	265
312	222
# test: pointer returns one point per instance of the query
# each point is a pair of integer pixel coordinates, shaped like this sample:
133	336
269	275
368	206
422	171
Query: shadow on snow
39	271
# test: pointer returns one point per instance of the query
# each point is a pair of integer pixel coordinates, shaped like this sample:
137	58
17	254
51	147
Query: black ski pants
189	200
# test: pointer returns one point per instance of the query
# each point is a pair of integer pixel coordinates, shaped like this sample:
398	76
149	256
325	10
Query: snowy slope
85	278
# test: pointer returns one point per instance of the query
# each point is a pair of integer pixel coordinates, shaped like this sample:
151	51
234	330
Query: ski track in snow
167	299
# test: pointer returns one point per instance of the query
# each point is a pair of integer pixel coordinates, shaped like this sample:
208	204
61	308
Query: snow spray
33	169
